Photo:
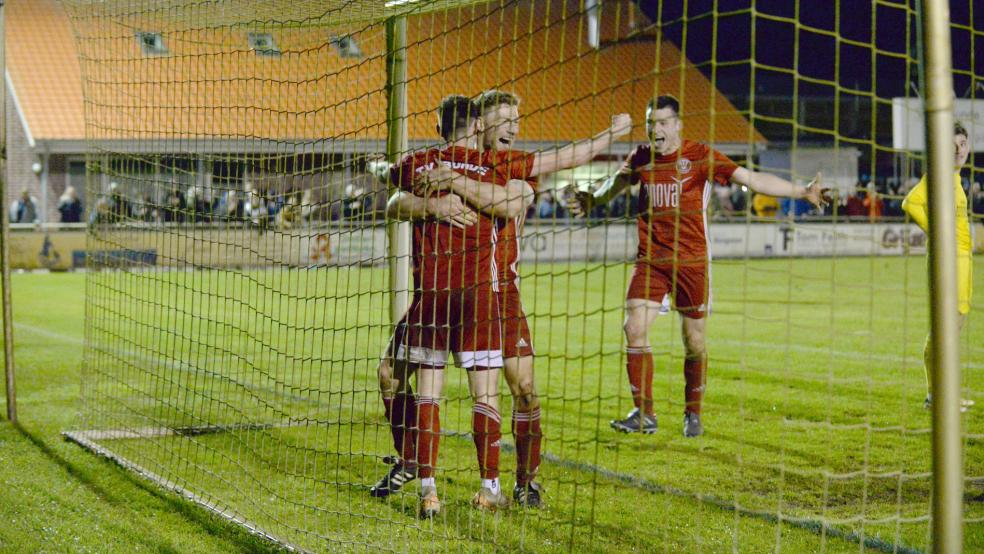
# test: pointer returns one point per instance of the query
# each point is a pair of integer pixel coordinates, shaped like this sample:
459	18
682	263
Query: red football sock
526	430
403	423
487	432
388	409
695	372
428	435
639	365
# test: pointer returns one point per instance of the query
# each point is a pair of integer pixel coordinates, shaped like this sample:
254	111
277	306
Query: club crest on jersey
683	165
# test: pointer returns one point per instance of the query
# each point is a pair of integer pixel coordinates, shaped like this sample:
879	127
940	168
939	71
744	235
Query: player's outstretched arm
449	208
772	185
580	203
582	151
497	201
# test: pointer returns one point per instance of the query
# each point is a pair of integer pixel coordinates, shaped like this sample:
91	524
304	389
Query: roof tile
210	85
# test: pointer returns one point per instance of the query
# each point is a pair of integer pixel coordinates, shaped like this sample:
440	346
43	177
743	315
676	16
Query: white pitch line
730	342
169	363
835	353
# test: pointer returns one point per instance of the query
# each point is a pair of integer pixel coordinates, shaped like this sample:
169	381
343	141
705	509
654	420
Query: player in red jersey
456	305
673	258
500	114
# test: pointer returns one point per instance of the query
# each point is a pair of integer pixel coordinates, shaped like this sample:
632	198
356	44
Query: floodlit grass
813	415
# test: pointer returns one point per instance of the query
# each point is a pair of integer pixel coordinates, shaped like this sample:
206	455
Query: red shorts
688	287
517	342
464	322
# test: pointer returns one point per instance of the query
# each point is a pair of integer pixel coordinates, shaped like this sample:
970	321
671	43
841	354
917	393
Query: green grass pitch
813	414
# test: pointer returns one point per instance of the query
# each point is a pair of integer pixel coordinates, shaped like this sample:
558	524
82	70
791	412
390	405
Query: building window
152	44
263	44
346	46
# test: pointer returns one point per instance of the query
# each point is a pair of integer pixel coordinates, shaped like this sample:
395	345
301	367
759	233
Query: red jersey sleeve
402	174
722	166
520	167
642	155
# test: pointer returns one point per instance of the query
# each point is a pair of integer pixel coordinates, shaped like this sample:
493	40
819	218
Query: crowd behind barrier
364	201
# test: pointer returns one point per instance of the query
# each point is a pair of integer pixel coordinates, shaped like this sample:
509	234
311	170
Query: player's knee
635	330
525	398
695	349
695	346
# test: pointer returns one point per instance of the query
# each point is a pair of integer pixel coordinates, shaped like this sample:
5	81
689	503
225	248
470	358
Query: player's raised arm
449	208
580	203
582	151
494	200
772	185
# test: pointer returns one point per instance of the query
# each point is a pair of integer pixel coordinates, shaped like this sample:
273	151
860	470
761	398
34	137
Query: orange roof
210	85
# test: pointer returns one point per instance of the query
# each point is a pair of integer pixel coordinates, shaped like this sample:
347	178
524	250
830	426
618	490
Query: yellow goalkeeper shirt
916	204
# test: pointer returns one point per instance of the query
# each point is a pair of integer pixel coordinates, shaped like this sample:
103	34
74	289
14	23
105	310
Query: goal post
948	481
396	147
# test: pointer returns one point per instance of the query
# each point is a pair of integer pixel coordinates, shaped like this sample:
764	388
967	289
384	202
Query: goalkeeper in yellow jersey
915	204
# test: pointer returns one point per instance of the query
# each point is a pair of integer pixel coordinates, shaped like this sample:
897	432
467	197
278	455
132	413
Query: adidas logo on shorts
522	343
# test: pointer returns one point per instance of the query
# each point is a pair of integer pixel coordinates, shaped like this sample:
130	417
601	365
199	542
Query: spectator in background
174	206
101	213
546	207
855	204
353	203
230	206
873	204
256	210
146	209
119	206
199	204
794	208
739	201
290	215
764	205
893	201
723	207
977	198
69	206
616	208
24	209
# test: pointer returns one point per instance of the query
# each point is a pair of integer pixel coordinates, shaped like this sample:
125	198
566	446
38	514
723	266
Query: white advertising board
618	242
908	127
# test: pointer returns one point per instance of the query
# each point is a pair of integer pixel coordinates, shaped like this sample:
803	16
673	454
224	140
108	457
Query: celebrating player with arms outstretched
675	176
917	206
500	113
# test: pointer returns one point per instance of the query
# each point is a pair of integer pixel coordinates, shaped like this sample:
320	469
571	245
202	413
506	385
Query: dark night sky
858	20
858	81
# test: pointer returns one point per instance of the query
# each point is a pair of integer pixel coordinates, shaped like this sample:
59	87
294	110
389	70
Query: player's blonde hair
494	98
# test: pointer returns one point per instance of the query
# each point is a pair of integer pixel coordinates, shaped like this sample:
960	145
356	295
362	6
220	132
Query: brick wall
20	157
19	160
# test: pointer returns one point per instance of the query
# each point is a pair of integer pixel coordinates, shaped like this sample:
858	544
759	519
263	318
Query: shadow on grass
237	538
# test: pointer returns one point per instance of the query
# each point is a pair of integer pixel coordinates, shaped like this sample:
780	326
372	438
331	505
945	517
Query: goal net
238	290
